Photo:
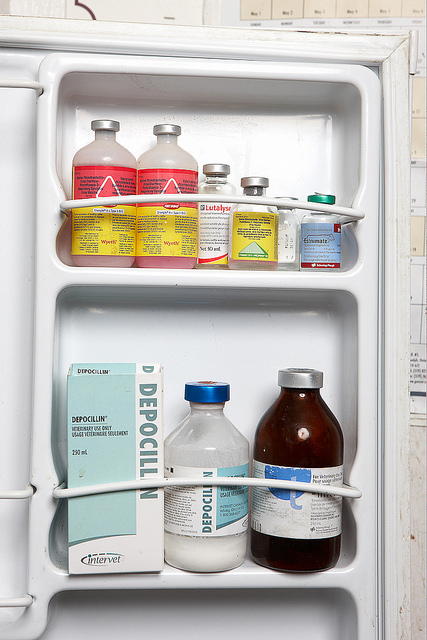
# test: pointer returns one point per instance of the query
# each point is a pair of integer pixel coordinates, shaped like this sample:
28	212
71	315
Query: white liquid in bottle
211	535
166	168
90	180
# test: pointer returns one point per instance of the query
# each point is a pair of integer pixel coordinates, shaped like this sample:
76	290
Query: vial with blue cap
206	526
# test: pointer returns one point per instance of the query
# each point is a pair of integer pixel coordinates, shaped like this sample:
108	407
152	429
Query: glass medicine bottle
103	236
297	439
167	232
320	237
214	218
206	527
253	231
288	240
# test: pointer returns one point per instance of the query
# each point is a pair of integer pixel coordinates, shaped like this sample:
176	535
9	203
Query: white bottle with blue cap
206	527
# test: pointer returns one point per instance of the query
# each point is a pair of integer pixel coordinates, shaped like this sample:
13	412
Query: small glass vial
320	237
206	527
253	231
214	218
288	239
166	233
297	439
103	236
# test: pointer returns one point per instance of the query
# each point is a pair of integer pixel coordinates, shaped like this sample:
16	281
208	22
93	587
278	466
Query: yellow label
163	232
254	236
103	231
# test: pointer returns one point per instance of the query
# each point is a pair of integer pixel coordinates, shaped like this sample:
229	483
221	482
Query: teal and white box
115	433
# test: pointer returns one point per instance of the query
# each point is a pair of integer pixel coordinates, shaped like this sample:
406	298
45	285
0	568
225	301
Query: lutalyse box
115	433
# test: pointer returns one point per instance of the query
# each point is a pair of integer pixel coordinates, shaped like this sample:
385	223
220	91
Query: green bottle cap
321	197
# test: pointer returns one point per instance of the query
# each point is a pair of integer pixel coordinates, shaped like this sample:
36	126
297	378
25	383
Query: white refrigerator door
312	112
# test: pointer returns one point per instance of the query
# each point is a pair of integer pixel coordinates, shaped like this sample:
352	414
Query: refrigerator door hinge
413	51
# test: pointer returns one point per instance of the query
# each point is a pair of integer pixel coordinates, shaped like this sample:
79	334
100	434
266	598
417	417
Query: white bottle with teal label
320	237
206	527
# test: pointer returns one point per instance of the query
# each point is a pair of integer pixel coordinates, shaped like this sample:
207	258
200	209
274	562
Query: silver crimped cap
254	181
300	378
110	125
175	129
216	168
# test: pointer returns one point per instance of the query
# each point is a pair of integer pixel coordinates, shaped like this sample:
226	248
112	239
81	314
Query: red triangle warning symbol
108	188
171	187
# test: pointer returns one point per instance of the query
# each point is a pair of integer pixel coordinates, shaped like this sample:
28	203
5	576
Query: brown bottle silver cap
209	169
254	181
300	378
174	129
109	125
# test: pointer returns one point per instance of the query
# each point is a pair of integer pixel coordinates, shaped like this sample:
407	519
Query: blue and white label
209	510
320	245
296	514
287	473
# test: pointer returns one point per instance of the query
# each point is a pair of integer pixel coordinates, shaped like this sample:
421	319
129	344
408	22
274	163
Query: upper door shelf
307	127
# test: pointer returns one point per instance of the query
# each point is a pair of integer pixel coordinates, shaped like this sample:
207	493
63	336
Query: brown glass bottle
298	433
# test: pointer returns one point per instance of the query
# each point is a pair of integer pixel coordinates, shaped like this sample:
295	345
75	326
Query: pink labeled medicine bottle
103	236
166	233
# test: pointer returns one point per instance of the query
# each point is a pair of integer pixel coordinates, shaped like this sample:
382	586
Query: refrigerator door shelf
309	114
283	120
349	249
287	121
276	326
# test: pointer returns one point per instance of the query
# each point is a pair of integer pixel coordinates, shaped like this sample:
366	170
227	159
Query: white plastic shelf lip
17	495
345	491
25	601
346	212
9	83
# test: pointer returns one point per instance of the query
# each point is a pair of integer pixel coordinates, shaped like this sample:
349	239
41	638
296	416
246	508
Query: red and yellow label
167	229
106	231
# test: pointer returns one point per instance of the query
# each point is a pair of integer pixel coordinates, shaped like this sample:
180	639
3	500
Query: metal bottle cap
300	378
174	129
254	181
209	169
106	125
322	197
207	392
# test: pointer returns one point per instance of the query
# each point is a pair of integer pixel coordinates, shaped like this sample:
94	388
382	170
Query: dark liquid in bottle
299	430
